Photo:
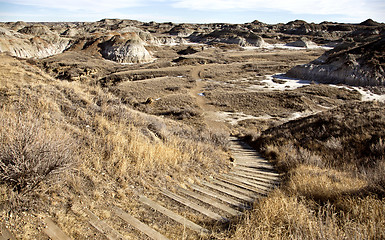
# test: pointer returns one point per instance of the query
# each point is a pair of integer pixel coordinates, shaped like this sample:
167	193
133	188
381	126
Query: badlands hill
129	41
96	114
351	63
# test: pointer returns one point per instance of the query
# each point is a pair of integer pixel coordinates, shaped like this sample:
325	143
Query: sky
193	11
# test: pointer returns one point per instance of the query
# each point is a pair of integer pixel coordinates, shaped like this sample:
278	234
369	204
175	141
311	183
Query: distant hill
352	63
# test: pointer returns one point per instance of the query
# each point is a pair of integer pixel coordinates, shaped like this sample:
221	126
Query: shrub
30	152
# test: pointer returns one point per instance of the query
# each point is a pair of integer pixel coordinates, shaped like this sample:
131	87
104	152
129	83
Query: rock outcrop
231	35
362	65
126	40
302	42
126	48
32	42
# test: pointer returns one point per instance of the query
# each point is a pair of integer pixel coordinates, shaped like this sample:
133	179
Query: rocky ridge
130	41
357	64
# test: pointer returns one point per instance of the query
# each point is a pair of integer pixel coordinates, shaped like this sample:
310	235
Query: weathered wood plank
253	165
144	228
211	202
228	192
247	181
266	174
219	196
176	217
53	231
250	158
263	174
267	182
193	205
241	184
236	188
6	233
103	227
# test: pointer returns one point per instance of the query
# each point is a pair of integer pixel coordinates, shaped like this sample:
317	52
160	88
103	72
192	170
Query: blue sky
194	11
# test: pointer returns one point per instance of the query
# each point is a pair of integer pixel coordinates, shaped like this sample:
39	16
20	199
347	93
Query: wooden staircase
217	200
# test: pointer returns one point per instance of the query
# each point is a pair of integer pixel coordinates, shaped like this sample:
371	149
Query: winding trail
210	114
217	199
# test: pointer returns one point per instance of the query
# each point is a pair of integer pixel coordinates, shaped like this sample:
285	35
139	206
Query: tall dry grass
30	151
120	152
286	216
316	203
333	186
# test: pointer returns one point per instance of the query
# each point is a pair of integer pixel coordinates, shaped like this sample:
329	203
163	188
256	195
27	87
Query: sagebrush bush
30	152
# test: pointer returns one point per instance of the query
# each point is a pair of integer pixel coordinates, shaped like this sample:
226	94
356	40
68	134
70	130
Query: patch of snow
284	46
292	83
297	115
233	118
286	83
367	95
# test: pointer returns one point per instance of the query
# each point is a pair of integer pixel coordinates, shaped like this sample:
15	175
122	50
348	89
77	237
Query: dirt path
210	116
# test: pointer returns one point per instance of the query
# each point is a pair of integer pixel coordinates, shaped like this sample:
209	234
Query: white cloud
80	5
349	10
354	8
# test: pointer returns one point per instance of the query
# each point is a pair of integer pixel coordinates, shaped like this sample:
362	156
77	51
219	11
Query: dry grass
333	188
315	203
121	152
29	152
286	216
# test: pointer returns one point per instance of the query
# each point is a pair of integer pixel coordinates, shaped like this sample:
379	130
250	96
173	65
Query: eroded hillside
94	115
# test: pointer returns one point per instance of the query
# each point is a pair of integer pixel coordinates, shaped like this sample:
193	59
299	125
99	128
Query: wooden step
247	181
150	232
53	231
253	165
272	175
236	188
243	185
228	192
265	181
251	161
258	173
103	227
219	196
211	202
194	206
176	217
6	233
249	158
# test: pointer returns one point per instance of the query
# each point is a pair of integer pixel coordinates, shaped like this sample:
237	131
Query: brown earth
135	128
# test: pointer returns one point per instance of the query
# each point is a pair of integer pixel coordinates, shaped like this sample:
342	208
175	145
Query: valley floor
118	131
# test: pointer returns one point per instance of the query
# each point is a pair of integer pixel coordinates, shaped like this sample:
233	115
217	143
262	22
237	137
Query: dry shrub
376	177
30	151
287	216
277	217
289	156
323	184
378	148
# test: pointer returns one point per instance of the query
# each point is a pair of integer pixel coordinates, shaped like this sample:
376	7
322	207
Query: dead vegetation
334	177
121	146
30	153
116	151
